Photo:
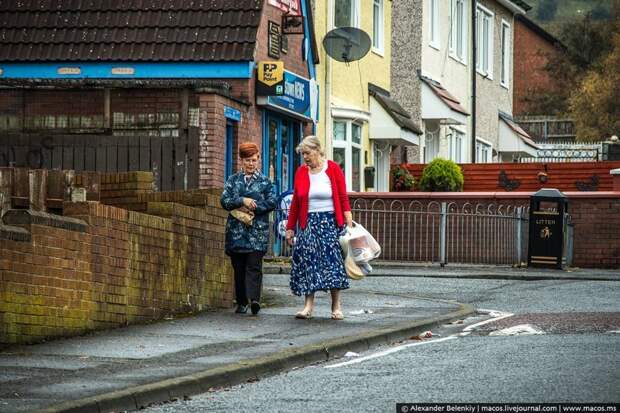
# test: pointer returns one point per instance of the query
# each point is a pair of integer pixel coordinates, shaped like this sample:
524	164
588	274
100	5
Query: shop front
287	117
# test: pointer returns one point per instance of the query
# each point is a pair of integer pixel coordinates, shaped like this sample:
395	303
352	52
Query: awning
439	104
513	139
389	121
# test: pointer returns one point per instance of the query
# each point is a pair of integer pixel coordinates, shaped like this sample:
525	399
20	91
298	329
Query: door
282	135
230	136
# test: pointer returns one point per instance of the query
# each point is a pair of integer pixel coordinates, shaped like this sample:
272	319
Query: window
458	30
505	75
377	25
431	147
483	152
434	23
484	42
347	151
455	143
345	13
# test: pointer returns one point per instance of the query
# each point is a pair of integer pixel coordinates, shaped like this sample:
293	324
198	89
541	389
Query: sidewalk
407	269
130	367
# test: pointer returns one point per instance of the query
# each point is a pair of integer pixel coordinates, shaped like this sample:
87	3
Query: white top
320	194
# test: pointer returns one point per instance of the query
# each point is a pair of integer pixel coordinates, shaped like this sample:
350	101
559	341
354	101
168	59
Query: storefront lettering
545	222
294	89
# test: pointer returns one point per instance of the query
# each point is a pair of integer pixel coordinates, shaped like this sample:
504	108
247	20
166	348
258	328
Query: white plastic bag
358	242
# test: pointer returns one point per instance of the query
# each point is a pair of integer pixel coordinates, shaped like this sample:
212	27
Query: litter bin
548	229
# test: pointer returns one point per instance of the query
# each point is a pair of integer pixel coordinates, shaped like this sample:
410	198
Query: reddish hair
247	149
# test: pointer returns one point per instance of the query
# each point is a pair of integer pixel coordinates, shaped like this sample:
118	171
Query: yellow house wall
349	84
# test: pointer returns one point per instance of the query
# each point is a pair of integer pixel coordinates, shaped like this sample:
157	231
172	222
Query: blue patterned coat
240	237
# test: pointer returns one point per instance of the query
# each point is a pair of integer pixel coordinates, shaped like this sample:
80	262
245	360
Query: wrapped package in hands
244	215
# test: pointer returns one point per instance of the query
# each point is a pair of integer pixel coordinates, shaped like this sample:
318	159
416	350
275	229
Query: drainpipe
473	81
328	88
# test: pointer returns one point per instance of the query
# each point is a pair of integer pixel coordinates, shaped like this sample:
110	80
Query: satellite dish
346	44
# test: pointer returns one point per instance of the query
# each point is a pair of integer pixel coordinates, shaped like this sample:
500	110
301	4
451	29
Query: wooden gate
173	160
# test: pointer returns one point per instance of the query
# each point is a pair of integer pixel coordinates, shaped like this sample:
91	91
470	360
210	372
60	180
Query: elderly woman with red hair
250	196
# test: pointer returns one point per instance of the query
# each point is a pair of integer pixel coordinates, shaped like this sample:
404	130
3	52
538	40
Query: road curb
137	397
383	271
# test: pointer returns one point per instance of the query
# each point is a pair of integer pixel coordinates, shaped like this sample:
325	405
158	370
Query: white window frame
355	13
456	142
378	21
347	144
458	37
505	39
484	146
431	147
483	14
433	24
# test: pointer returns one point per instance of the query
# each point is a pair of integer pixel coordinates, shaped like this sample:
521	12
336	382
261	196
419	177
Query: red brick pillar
615	175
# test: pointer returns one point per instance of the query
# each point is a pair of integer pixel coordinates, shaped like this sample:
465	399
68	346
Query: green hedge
441	175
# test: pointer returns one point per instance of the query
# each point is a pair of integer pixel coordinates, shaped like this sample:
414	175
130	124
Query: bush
442	175
402	180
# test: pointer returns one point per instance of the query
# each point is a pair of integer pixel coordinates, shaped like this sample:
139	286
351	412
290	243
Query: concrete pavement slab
137	365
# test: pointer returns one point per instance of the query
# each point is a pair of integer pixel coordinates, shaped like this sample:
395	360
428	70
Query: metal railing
437	232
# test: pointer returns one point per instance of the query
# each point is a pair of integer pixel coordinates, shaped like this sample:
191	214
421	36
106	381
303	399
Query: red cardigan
301	185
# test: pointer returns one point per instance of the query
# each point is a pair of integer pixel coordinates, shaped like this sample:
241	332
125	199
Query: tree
547	10
584	42
594	105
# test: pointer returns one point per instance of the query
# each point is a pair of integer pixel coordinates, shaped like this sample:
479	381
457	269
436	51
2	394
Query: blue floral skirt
317	258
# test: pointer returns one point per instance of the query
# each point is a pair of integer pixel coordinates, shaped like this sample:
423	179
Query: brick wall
594	216
100	266
531	54
561	175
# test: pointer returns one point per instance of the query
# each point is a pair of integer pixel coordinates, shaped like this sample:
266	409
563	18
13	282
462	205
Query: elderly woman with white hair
319	210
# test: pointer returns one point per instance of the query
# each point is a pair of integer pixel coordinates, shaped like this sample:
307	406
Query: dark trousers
248	268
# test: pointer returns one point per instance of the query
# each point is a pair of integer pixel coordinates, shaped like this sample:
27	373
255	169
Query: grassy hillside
550	14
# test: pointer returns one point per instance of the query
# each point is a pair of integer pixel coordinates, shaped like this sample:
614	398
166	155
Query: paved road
573	357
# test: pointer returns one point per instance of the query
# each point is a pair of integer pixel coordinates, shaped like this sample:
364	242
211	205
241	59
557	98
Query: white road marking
388	351
520	330
498	315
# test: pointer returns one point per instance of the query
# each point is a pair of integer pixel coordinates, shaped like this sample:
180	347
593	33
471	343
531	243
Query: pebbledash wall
100	266
596	242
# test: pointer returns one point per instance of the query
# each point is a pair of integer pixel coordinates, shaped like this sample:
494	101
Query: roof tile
132	30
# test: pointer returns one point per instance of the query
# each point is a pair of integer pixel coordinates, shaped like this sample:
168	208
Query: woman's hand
249	203
348	216
289	236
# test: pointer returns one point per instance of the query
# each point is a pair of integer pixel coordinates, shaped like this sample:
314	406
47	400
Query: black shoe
255	307
241	309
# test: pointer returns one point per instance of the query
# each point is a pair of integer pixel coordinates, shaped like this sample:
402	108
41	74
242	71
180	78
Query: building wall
406	63
490	95
438	63
441	66
348	84
531	53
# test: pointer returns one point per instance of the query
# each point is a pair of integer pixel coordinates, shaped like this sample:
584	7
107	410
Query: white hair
311	142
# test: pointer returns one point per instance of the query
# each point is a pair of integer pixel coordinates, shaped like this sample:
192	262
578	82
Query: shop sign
274	40
300	96
232	113
290	6
270	78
